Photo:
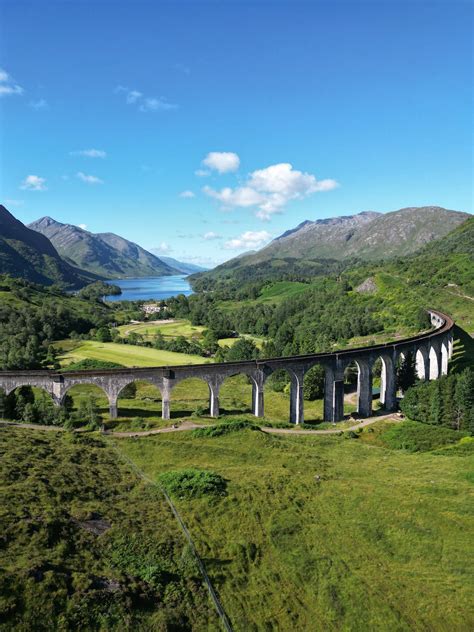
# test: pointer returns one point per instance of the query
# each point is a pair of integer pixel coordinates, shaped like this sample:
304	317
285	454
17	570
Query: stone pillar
435	362
165	408
364	388
338	407
333	395
296	398
258	403
113	409
214	399
165	398
388	384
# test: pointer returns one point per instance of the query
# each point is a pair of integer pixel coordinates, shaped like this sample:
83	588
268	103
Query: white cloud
222	161
144	103
88	178
211	235
41	104
89	153
83	226
14	202
187	194
270	189
248	240
7	85
152	104
163	248
202	173
34	183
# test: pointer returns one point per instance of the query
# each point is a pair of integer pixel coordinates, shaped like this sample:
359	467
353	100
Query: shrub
417	437
193	483
226	428
351	435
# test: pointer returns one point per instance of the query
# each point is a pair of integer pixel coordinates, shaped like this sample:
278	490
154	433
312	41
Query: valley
397	486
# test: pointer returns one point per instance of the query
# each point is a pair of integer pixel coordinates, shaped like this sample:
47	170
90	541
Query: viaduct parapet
432	351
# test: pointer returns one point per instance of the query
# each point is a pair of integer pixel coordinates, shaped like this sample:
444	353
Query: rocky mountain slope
105	254
369	236
28	254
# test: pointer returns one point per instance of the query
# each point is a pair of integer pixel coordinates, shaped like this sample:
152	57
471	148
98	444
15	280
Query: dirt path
190	425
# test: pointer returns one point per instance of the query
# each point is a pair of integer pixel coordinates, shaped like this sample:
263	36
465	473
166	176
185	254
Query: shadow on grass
138	412
463	355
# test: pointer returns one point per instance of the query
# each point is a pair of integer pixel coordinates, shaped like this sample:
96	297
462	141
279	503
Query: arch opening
31	404
190	397
420	364
139	403
380	384
313	394
235	396
87	404
444	358
277	389
351	389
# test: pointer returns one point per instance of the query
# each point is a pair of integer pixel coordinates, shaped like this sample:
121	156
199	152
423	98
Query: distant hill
182	266
28	254
104	254
368	236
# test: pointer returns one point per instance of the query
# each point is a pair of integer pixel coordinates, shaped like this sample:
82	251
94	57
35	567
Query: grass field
128	355
168	330
86	545
329	533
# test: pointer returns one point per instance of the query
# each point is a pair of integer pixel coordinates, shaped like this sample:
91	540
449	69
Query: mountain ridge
28	254
106	254
369	236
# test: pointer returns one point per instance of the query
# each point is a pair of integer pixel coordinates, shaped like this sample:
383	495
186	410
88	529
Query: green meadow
179	327
127	355
329	532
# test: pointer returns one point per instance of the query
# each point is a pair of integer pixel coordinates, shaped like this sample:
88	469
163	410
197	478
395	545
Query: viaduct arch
432	351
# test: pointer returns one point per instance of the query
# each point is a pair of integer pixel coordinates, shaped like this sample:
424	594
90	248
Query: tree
243	349
313	385
406	373
103	334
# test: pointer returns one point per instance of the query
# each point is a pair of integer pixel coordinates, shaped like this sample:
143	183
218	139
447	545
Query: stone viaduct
431	349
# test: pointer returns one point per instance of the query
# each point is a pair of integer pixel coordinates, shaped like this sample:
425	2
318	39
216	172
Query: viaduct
431	349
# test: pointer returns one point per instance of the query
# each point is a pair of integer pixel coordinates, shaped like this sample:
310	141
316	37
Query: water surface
145	288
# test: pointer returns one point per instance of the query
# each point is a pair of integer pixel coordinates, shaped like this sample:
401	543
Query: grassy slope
169	330
384	541
55	574
128	355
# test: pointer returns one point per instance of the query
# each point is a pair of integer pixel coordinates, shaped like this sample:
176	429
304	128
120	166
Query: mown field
127	355
179	327
331	533
86	545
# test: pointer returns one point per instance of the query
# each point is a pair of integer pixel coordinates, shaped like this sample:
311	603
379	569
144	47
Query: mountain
28	254
182	266
104	254
369	236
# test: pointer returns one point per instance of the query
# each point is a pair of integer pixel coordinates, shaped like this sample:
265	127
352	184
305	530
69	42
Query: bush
193	483
351	435
226	428
417	437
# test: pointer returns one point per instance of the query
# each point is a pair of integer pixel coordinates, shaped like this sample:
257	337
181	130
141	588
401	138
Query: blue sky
206	128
